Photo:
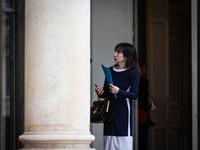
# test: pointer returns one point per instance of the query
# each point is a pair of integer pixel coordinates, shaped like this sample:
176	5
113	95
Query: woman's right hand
99	91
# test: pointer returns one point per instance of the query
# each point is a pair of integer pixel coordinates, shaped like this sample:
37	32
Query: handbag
100	112
151	104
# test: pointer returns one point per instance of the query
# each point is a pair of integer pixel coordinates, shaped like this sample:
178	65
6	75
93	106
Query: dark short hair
142	63
129	51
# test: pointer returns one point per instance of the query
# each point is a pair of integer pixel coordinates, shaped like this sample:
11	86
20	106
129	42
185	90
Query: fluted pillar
57	75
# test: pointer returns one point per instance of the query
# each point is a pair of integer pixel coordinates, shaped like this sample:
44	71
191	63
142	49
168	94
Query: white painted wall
111	24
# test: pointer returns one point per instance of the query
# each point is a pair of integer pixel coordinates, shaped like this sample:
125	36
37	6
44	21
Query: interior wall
111	24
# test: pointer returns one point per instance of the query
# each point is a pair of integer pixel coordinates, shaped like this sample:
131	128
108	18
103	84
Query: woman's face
119	56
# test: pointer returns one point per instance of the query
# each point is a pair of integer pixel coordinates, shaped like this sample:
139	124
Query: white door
169	73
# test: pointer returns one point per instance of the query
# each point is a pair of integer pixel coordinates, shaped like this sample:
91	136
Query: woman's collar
119	70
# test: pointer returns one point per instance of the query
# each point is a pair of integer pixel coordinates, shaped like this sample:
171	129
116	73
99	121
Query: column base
56	141
58	149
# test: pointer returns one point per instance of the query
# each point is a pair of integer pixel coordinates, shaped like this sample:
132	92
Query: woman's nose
115	54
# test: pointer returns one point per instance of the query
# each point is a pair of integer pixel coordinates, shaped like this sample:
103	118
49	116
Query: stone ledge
58	149
56	141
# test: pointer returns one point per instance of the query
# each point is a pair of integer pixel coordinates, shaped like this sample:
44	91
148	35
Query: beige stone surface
57	71
57	74
56	140
58	149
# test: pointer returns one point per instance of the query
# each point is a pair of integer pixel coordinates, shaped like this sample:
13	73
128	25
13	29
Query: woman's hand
114	89
99	91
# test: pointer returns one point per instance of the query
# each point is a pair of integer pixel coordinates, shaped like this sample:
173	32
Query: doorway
164	41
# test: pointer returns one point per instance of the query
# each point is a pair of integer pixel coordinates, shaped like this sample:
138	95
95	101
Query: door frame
194	59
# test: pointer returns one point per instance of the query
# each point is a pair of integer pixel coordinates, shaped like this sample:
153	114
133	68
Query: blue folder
108	77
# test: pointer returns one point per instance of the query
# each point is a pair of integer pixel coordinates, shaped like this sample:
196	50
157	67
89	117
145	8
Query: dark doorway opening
178	131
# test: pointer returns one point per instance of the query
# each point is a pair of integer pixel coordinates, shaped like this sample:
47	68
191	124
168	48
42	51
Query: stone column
57	75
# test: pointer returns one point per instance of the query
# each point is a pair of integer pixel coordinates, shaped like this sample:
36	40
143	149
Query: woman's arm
133	92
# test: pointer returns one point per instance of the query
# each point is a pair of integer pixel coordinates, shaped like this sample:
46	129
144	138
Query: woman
125	75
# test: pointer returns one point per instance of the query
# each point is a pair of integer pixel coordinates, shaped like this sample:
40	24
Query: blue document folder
108	76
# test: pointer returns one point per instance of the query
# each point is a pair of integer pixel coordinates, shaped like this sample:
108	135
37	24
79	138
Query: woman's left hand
114	89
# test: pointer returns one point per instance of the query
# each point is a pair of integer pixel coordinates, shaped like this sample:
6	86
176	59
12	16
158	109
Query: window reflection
5	81
6	3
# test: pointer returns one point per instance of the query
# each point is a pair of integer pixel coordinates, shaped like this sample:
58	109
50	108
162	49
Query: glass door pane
5	61
6	3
